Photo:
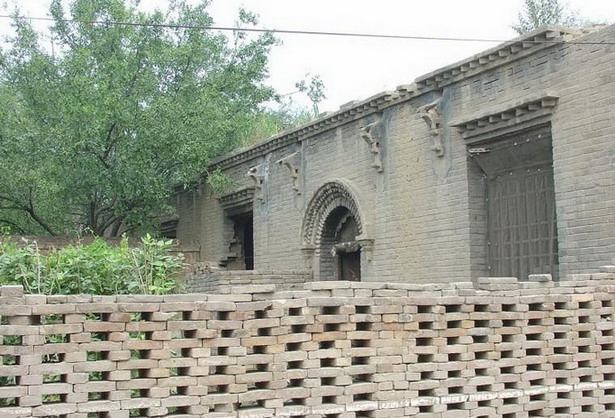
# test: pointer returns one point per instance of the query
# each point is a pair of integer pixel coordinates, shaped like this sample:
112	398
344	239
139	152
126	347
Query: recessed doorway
340	257
242	244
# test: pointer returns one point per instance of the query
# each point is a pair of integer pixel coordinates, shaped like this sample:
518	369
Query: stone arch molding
333	194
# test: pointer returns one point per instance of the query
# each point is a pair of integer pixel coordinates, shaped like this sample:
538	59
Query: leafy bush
97	268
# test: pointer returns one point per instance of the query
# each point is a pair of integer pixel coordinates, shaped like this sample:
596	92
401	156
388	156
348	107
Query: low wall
206	280
335	349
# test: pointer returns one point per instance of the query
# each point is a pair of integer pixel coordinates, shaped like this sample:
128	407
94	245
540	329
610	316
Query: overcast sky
356	68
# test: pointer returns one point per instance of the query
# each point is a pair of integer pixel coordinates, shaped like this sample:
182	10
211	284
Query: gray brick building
502	164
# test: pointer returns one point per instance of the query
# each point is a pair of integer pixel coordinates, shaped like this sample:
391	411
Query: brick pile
335	349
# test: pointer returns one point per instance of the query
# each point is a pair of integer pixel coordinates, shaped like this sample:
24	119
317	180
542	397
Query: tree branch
110	145
106	208
100	230
30	210
116	228
12	200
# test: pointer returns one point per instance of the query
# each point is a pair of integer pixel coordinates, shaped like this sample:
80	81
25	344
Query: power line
304	32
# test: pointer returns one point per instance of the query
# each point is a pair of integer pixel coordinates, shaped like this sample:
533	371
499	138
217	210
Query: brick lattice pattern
335	349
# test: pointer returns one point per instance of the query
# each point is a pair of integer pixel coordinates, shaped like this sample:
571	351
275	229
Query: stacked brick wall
335	349
227	281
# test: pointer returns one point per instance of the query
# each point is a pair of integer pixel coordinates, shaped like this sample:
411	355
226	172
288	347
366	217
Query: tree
537	13
99	130
314	87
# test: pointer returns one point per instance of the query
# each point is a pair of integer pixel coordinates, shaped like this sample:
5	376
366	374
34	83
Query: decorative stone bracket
293	163
374	145
345	247
258	177
367	247
430	114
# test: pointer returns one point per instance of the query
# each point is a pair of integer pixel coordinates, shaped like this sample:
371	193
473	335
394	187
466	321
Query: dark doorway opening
350	266
248	243
242	245
340	253
520	204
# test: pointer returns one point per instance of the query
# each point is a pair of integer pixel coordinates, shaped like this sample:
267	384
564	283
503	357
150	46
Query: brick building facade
502	164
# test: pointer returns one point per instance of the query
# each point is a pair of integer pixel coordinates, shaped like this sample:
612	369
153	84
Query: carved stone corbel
293	163
429	113
374	145
258	178
345	247
367	247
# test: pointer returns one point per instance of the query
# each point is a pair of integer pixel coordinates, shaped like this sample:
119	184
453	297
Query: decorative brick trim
347	113
329	196
502	54
528	108
239	197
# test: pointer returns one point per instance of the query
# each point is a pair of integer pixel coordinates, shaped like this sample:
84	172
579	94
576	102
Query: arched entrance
333	233
340	256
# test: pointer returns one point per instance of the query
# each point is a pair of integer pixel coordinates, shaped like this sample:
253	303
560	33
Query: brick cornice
517	48
502	116
507	52
347	113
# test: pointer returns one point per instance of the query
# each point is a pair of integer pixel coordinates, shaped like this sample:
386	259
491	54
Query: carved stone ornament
330	196
429	113
345	247
374	145
293	163
258	178
367	247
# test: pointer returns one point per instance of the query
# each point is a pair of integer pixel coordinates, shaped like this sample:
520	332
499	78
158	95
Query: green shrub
97	268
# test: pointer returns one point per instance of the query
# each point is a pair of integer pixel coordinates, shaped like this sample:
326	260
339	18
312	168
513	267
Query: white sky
356	68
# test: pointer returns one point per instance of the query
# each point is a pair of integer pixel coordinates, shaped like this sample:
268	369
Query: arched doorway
340	253
333	233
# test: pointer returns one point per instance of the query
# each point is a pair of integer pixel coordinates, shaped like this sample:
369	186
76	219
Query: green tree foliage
274	121
537	13
98	131
98	268
314	87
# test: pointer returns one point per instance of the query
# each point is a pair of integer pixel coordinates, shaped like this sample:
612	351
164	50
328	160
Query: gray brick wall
426	212
584	153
